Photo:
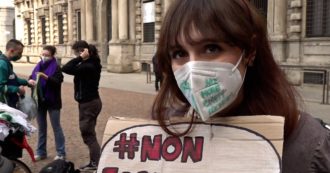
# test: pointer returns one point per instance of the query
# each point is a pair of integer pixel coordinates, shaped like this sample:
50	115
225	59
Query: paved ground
123	95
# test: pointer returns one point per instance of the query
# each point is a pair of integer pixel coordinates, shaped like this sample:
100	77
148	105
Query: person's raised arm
71	66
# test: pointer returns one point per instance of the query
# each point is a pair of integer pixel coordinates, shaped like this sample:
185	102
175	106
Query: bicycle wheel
20	167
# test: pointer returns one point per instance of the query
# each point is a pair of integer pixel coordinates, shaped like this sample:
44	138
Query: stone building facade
126	31
114	26
6	24
299	31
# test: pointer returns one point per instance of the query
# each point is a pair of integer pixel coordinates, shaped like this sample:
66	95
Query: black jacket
307	149
86	78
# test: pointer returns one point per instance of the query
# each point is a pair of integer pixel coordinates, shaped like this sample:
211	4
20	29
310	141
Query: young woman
47	77
221	46
86	68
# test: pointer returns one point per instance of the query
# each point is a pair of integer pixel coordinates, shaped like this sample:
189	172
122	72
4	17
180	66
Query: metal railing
146	66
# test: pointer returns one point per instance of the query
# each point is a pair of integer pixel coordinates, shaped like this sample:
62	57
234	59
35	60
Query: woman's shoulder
309	145
314	123
321	156
309	128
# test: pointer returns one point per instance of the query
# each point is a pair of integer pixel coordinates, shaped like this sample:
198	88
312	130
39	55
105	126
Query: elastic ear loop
239	61
236	66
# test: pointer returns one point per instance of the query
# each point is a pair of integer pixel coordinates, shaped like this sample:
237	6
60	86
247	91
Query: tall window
78	24
43	30
149	21
60	29
28	24
318	18
261	5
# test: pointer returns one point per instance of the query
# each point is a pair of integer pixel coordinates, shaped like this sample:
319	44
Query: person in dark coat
86	69
47	80
157	71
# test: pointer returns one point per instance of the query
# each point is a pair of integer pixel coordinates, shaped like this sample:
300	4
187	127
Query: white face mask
209	86
45	58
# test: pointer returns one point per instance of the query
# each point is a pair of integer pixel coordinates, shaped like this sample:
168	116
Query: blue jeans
54	115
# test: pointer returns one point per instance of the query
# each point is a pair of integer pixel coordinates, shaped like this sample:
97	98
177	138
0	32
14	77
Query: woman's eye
178	54
212	48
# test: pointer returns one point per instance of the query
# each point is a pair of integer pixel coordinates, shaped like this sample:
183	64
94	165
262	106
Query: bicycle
12	148
20	167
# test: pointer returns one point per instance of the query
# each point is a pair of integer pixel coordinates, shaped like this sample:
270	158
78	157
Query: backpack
59	166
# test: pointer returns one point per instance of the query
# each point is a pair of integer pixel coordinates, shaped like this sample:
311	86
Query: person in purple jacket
47	79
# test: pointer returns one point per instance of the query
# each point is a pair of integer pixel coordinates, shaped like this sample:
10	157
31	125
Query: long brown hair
237	23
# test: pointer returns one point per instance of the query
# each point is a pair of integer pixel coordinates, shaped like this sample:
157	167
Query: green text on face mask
210	82
205	94
213	96
216	107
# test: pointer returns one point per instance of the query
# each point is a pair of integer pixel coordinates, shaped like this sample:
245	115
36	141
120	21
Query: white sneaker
38	157
59	157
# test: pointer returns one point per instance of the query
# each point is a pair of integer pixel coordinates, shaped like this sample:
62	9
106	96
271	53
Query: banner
231	144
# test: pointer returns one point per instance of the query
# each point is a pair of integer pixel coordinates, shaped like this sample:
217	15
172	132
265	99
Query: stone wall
6	26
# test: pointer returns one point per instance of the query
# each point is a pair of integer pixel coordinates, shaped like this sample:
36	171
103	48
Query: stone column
70	24
65	28
114	14
132	20
7	15
83	19
33	33
123	20
37	34
89	21
280	11
294	47
102	29
51	22
19	22
47	29
277	20
102	20
121	52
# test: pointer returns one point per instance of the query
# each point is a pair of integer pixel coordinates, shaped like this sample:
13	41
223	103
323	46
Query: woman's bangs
207	25
206	30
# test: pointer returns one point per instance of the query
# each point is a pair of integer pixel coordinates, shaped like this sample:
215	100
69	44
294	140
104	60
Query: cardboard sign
232	144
